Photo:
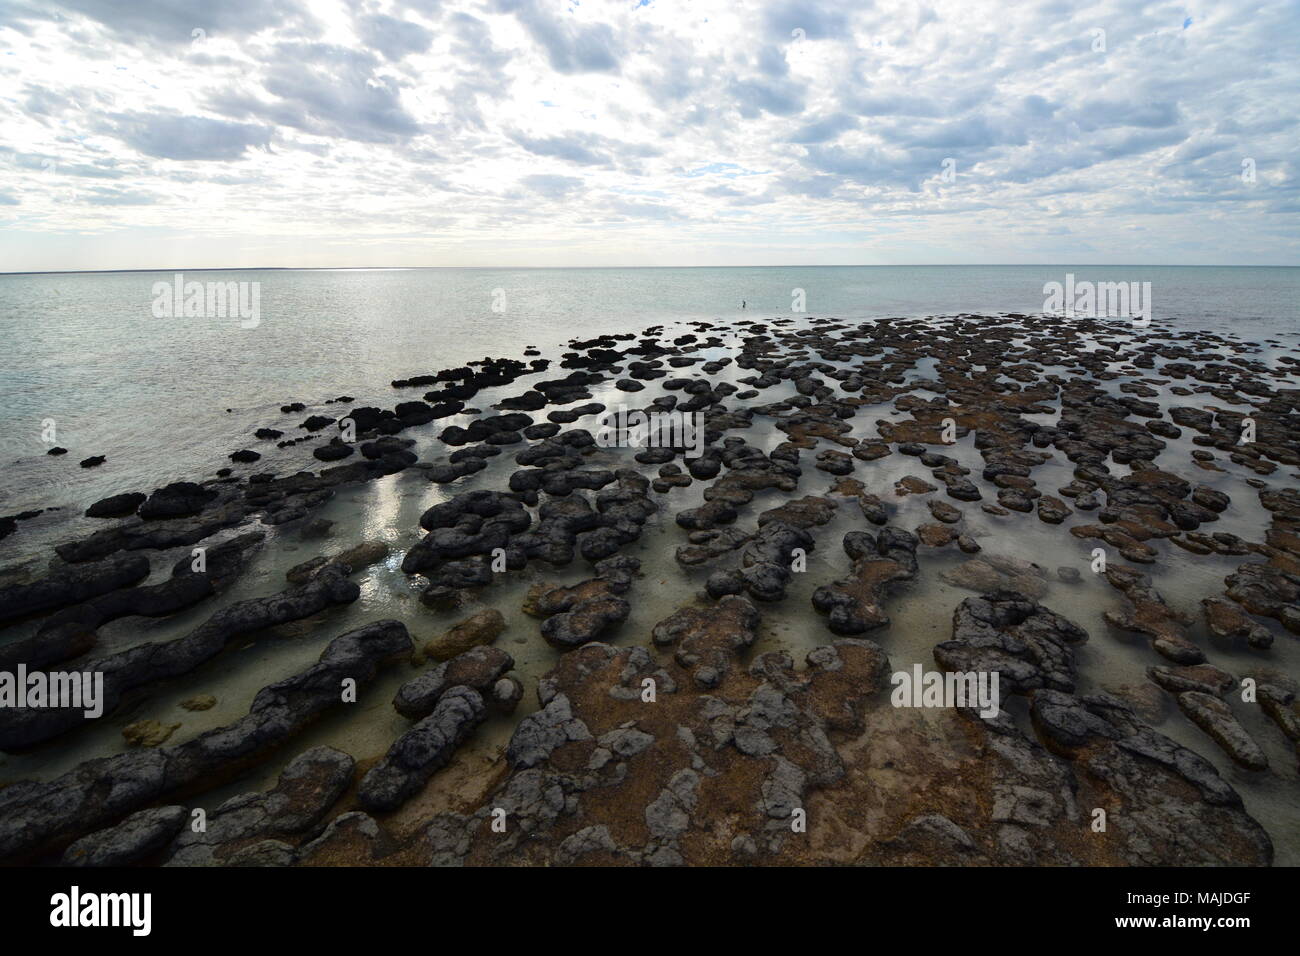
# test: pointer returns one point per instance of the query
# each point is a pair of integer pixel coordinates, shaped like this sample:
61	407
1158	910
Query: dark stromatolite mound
422	750
144	664
1269	590
308	787
477	668
1004	632
766	562
71	585
707	639
116	506
584	612
139	836
221	563
136	534
1151	775
99	792
656	777
180	499
852	604
1150	615
71	632
474	525
1225	619
768	556
1216	718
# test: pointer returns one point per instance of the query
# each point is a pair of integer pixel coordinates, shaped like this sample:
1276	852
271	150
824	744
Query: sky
246	133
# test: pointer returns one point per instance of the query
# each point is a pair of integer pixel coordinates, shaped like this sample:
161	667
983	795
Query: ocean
169	398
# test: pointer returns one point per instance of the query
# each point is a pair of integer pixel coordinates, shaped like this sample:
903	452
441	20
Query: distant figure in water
742	303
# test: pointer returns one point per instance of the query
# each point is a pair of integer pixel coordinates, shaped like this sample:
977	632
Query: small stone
944	512
911	485
483	628
317	528
148	733
363	555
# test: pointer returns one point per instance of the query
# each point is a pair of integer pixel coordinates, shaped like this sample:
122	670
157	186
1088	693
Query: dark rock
308	787
71	586
478	668
140	836
1004	632
148	663
1215	717
852	604
422	750
100	791
180	499
116	506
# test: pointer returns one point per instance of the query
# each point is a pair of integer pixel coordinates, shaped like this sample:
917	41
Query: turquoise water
170	398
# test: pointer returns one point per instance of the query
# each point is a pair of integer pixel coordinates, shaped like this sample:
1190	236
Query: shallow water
921	610
169	399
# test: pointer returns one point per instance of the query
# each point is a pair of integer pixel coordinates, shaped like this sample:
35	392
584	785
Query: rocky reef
697	735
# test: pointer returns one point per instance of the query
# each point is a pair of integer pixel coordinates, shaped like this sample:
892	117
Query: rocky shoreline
688	742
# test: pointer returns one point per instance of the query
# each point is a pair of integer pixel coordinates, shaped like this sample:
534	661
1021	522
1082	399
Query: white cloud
517	132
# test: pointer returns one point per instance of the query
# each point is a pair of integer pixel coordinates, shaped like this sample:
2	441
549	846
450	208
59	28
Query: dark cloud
1106	113
772	62
570	47
325	90
392	37
877	166
581	149
63	166
817	21
822	130
482	73
173	21
752	97
586	149
177	136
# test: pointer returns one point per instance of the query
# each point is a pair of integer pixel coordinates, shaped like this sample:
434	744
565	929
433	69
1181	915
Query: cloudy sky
192	133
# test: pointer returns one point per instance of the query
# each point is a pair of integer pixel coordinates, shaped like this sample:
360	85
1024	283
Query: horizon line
828	265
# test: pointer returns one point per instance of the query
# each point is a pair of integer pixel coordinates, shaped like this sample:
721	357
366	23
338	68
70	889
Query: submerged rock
148	733
34	816
147	663
707	639
481	628
116	506
1152	617
71	585
1215	717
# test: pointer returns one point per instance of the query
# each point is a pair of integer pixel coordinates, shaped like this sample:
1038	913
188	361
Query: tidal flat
466	628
